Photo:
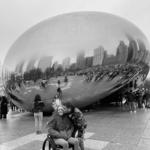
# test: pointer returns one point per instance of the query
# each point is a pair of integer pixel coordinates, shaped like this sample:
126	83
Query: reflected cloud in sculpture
100	53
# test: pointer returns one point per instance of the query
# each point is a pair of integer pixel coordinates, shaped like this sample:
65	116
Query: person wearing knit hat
60	128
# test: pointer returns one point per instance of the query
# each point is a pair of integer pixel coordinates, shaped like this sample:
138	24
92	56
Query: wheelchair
50	143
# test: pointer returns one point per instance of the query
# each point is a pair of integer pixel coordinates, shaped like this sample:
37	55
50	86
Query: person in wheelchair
60	128
78	121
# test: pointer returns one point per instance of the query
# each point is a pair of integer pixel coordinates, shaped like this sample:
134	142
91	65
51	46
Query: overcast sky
19	15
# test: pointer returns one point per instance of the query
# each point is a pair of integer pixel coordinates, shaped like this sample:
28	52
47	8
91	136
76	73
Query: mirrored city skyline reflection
66	35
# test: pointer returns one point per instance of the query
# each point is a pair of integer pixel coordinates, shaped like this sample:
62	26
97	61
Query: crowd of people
97	73
136	98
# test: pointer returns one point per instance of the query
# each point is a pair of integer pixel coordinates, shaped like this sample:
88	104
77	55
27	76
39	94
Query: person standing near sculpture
0	107
59	91
131	100
38	113
66	79
78	120
4	107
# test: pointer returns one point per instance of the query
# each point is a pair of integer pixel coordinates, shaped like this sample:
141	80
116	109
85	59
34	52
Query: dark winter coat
131	97
78	119
4	107
79	122
60	127
38	106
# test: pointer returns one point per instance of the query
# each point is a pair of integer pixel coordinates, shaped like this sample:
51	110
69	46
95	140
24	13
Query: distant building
132	51
109	59
98	56
145	56
45	62
19	67
55	65
89	61
73	67
66	63
147	60
30	65
5	75
143	53
122	53
80	62
0	73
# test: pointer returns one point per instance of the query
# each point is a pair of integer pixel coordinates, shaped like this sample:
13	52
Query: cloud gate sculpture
90	55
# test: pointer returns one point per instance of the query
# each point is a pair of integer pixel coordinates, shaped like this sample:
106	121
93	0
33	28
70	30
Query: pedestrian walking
4	107
59	91
0	107
131	101
38	113
66	79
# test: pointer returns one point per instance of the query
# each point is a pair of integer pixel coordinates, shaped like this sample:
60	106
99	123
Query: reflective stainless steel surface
98	52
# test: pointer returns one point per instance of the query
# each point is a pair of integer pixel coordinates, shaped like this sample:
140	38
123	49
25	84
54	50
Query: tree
59	70
48	73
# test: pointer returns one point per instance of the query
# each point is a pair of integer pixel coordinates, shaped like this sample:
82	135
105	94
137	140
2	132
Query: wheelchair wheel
47	145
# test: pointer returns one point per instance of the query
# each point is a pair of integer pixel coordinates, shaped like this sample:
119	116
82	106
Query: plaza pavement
109	128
